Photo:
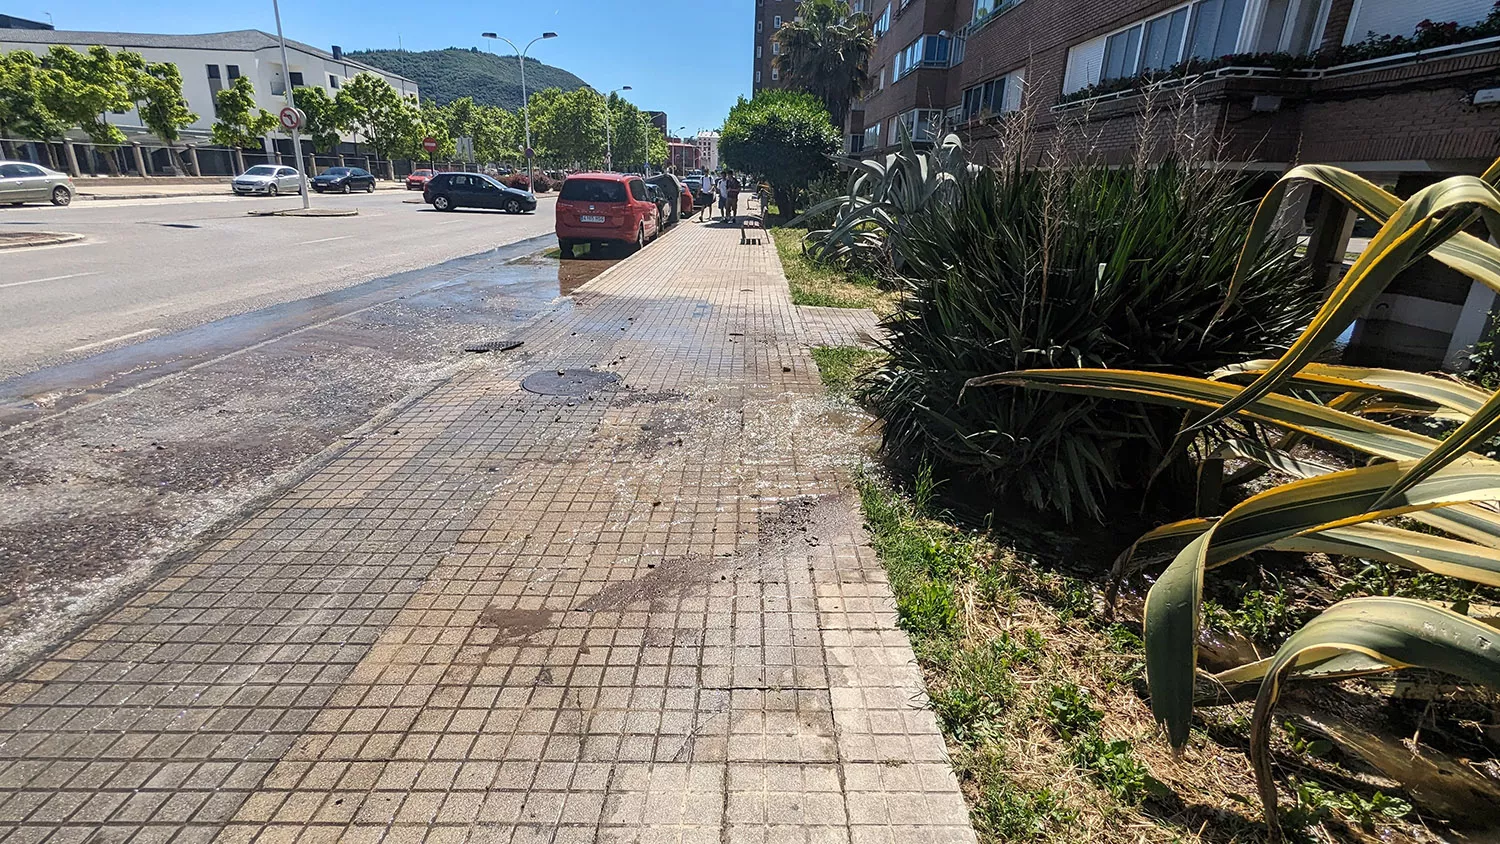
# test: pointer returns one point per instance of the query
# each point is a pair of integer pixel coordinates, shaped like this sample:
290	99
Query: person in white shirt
723	186
705	195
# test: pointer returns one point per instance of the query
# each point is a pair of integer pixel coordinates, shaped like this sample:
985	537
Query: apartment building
770	16
211	62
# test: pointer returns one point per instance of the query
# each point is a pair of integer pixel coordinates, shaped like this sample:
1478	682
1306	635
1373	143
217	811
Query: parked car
267	179
418	179
671	198
22	181
450	191
344	180
604	208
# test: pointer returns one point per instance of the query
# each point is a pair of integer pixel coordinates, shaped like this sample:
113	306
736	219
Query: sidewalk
645	615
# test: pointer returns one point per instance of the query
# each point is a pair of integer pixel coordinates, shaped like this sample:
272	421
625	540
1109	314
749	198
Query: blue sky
608	43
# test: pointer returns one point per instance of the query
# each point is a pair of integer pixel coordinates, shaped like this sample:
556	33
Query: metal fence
83	158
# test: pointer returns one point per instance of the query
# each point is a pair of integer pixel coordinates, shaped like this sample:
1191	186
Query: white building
211	62
708	150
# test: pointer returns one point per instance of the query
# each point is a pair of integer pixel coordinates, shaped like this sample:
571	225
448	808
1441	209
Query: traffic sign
430	144
530	153
292	118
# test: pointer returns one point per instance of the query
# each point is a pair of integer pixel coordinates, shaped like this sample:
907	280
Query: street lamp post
680	137
286	78
609	146
525	103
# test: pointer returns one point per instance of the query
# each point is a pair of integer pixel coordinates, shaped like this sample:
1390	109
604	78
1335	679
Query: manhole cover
568	382
180	226
492	346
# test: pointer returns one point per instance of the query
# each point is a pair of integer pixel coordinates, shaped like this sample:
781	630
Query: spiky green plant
1273	405
1085	267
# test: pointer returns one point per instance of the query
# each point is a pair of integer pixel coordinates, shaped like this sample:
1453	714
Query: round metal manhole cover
568	382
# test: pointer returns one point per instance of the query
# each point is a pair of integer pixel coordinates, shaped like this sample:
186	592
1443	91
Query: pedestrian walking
723	186
734	196
705	195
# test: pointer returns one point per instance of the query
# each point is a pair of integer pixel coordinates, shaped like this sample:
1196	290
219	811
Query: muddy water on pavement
163	439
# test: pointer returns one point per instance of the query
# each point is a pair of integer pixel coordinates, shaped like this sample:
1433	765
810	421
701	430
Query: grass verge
814	283
1043	708
841	366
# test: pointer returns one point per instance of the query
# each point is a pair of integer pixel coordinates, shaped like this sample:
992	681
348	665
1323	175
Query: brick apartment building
770	15
1281	82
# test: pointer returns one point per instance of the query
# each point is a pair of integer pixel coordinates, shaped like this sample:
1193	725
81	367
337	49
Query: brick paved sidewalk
649	615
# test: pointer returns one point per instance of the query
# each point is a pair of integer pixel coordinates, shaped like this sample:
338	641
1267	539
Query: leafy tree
391	123
786	137
569	127
826	52
24	100
86	87
241	122
157	88
495	131
326	117
433	122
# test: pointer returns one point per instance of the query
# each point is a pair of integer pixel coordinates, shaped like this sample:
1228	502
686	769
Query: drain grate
492	346
568	382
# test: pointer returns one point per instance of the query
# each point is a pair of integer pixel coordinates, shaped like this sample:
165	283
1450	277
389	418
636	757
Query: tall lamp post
525	103
609	145
680	138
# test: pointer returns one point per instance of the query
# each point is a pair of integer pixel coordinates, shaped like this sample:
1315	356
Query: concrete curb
94	197
41	239
307	212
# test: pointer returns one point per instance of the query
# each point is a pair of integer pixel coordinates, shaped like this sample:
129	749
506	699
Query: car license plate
590	218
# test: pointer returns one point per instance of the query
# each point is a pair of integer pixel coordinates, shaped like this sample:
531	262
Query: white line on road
325	239
143	332
48	278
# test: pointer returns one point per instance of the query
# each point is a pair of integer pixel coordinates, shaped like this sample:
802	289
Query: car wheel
640	239
346	188
442	203
272	190
566	247
60	196
370	188
512	206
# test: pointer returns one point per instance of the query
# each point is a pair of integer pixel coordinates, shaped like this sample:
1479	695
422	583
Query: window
638	190
232	71
883	23
1292	26
286	171
1215	29
776	22
757	77
997	96
921	124
856	143
775	73
333	82
19	171
775	48
296	79
1162	47
215	84
759	26
1400	17
872	137
757	51
926	51
1121	53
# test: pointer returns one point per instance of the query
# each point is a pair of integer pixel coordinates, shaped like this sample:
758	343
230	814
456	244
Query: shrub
784	136
1083	267
518	181
543	184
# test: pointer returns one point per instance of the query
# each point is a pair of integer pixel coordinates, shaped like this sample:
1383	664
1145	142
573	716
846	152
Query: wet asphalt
113	462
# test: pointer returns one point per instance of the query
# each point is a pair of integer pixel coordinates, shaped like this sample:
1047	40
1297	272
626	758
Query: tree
826	52
326	117
391	123
569	127
157	88
785	137
24	109
88	86
432	122
492	129
241	122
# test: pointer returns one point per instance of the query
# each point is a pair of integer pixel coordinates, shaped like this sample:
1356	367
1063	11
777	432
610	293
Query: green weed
929	609
1317	803
1005	812
825	285
841	366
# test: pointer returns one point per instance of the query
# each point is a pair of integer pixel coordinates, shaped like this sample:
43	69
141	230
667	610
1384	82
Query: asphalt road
148	268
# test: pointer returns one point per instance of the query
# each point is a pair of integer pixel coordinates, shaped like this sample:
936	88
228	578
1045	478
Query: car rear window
592	190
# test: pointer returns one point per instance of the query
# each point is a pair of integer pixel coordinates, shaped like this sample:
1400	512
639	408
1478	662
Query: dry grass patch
825	285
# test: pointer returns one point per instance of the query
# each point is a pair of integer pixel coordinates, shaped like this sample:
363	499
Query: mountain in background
490	78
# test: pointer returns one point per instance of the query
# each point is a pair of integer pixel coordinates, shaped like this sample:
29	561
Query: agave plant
1257	412
881	195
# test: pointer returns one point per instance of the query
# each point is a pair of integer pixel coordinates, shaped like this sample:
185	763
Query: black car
344	180
447	191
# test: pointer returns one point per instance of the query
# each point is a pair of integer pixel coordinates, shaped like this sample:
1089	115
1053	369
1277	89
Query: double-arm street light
609	146
525	104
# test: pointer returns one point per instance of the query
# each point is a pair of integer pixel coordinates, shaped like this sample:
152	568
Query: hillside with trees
490	78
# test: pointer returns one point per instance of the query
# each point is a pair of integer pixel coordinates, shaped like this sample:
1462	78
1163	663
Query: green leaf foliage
785	137
994	281
381	116
27	98
86	86
826	51
327	118
241	122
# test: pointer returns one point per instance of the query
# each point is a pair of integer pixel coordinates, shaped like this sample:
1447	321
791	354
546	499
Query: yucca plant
882	196
1088	266
1258	412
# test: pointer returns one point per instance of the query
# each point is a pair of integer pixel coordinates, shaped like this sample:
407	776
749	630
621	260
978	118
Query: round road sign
530	153
429	144
292	118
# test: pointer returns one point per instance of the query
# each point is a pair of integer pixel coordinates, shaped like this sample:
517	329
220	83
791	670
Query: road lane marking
143	332
48	278
325	240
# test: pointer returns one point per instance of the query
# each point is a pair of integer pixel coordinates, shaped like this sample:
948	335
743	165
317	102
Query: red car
604	208
418	179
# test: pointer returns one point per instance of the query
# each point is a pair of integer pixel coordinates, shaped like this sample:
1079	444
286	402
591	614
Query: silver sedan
22	181
269	179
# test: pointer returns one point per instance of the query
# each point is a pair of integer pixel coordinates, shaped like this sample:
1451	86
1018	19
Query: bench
752	226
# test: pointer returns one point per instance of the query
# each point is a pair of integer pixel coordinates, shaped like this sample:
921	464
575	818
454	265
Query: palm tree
825	52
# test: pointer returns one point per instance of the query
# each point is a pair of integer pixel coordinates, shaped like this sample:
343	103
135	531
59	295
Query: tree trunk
785	203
